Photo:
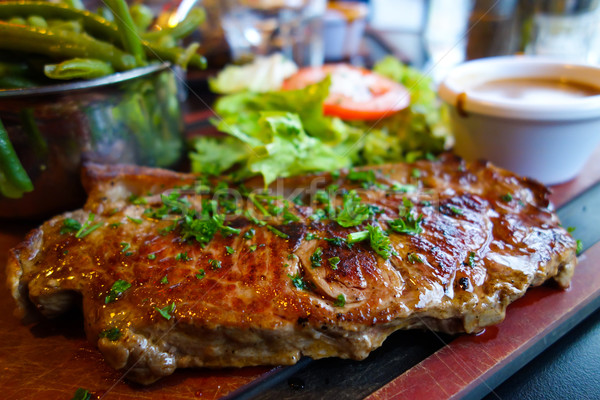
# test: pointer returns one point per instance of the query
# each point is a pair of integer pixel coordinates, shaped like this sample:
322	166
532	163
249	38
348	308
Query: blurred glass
564	29
262	27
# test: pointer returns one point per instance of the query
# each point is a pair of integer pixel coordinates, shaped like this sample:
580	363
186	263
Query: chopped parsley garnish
214	264
316	258
298	200
455	210
201	274
115	225
571	229
193	224
116	290
353	212
378	239
415	173
366	177
86	229
166	311
253	248
135	220
151	256
340	301
70	225
182	256
164	280
229	250
380	242
288	216
82	394
249	234
334	261
404	187
137	200
321	196
318	215
406	221
311	236
414	258
298	281
471	261
125	246
579	246
336	241
506	197
112	334
277	232
260	207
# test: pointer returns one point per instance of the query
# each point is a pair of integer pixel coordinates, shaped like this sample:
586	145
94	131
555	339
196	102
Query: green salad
283	133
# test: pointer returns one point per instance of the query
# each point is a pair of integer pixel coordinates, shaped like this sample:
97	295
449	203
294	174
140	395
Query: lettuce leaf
284	133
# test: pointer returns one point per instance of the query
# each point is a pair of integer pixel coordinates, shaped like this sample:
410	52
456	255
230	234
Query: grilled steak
173	270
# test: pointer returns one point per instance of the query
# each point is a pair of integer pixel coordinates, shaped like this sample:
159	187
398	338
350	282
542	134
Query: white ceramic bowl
547	141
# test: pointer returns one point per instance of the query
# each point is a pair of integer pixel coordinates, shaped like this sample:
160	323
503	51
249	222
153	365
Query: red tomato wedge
355	93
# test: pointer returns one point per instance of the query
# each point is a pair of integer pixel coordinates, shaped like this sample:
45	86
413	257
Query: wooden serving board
51	359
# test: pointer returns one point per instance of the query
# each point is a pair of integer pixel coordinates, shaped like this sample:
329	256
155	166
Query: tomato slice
355	93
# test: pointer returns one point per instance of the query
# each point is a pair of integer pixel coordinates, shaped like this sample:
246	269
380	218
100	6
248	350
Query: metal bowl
132	117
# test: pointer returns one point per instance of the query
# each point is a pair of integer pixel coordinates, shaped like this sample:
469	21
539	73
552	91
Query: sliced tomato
355	93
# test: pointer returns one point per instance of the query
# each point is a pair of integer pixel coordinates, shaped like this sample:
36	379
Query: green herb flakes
82	394
249	234
201	274
164	280
116	290
333	262
415	173
471	259
125	246
214	264
151	256
366	177
506	197
182	256
229	250
86	229
353	211
112	334
298	282
166	311
316	258
70	225
414	258
340	301
137	221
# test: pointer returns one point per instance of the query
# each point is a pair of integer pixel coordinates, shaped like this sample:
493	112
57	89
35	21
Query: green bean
16	82
82	68
184	28
173	55
17	21
73	26
94	24
127	30
37	21
62	44
14	180
74	4
142	16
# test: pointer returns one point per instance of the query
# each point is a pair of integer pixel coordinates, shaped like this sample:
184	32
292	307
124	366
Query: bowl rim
117	77
457	82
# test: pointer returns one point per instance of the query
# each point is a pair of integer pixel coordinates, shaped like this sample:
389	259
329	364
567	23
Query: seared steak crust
239	300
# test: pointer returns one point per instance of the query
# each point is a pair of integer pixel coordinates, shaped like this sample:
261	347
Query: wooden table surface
51	359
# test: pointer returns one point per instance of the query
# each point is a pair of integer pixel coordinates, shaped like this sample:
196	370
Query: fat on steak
173	270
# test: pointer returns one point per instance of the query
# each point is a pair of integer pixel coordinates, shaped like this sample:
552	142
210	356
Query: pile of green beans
72	43
41	42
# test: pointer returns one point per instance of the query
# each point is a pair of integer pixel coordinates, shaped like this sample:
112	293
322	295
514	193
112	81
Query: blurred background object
263	27
344	27
566	29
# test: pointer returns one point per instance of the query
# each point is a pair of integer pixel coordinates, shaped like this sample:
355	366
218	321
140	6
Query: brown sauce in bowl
534	90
